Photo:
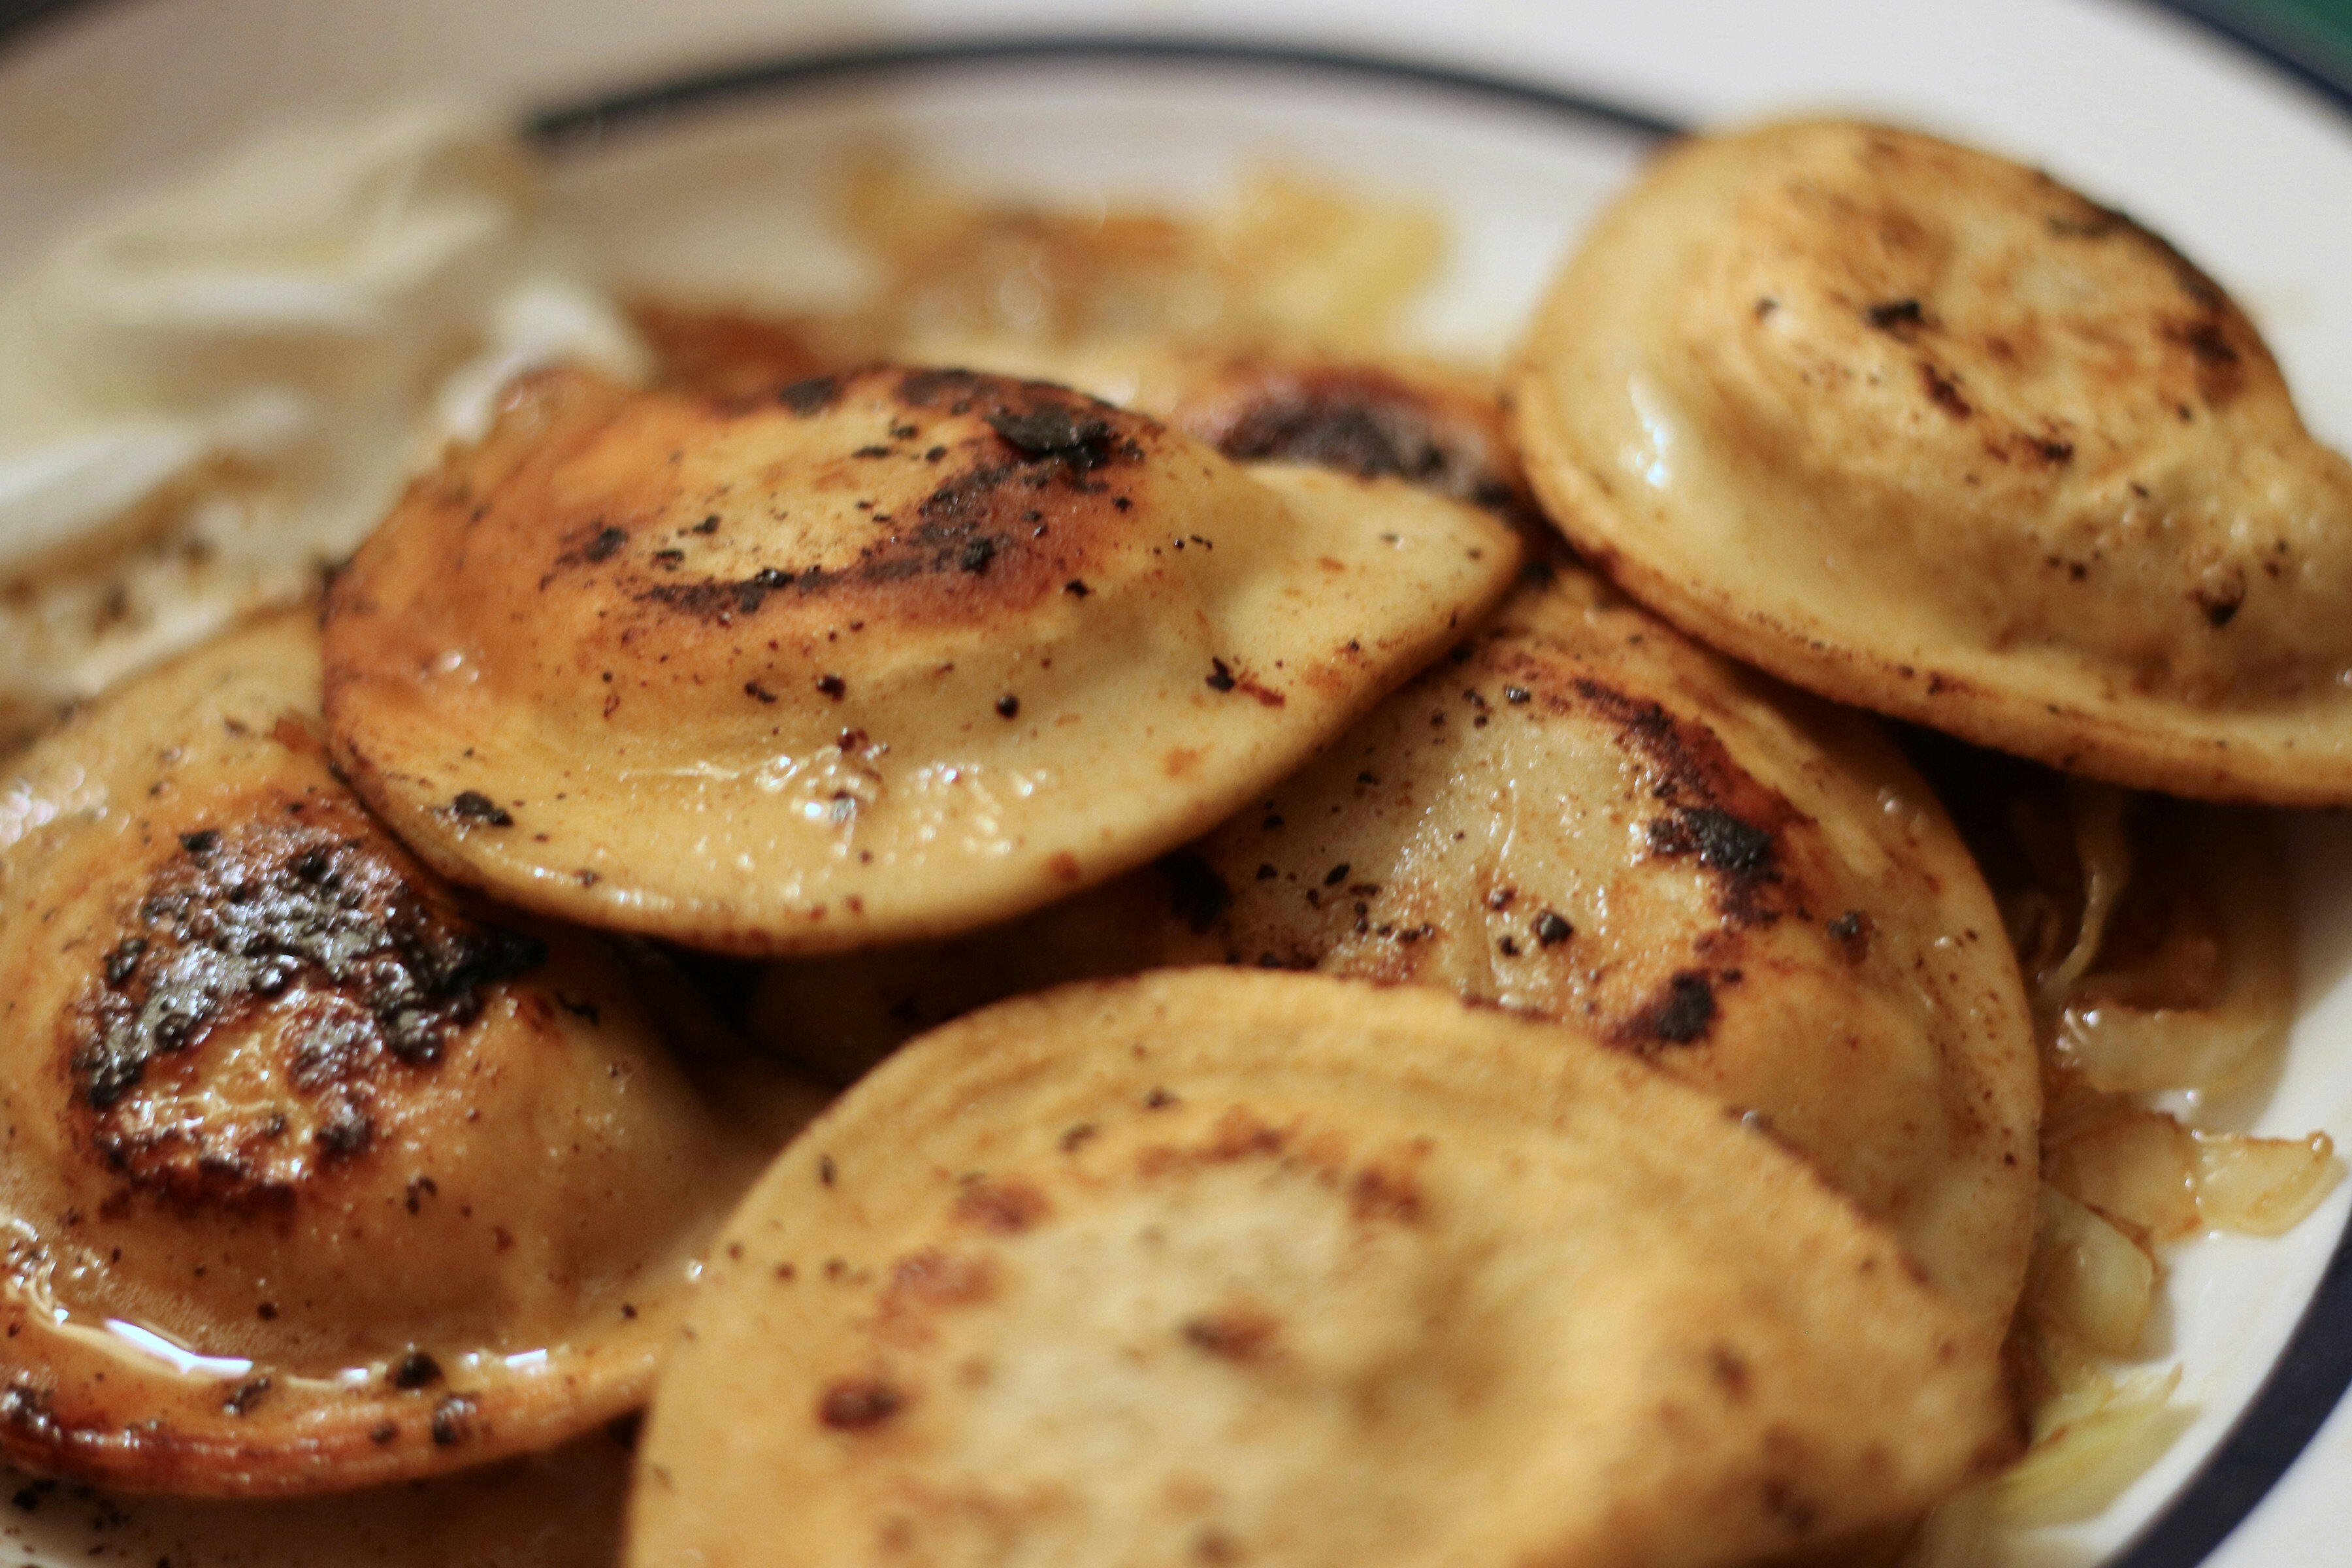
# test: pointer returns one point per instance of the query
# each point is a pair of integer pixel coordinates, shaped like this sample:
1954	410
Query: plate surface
2247	167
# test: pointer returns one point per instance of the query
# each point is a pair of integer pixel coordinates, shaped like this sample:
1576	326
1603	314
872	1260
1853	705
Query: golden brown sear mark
992	507
1716	811
1361	420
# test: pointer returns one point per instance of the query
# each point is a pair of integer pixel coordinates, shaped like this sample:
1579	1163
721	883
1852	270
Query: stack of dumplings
1376	1009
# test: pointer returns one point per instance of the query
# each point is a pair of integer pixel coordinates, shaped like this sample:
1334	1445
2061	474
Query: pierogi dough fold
1925	431
318	1174
880	655
1226	1267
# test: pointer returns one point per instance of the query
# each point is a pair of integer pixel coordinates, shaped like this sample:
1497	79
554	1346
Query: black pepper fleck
473	805
452	1420
414	1370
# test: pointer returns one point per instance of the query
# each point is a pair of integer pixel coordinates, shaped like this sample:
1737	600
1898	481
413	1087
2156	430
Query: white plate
1514	118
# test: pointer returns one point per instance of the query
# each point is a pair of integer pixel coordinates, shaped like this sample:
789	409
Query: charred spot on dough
1944	390
1852	932
1006	1208
414	1370
2219	592
1721	841
368	976
720	600
1901	320
1358	420
473	806
1265	696
1043	440
1720	813
1042	429
811	397
452	1420
1682	1010
1047	426
1197	895
2045	448
858	1404
954	391
597	544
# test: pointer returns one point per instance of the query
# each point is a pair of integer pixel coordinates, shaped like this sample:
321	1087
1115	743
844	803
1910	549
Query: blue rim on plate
2315	1368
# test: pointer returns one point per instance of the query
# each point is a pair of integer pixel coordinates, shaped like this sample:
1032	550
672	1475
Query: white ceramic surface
2247	170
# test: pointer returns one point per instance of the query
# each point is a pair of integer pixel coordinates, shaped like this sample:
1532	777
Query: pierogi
1226	1267
321	1173
1925	431
878	657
